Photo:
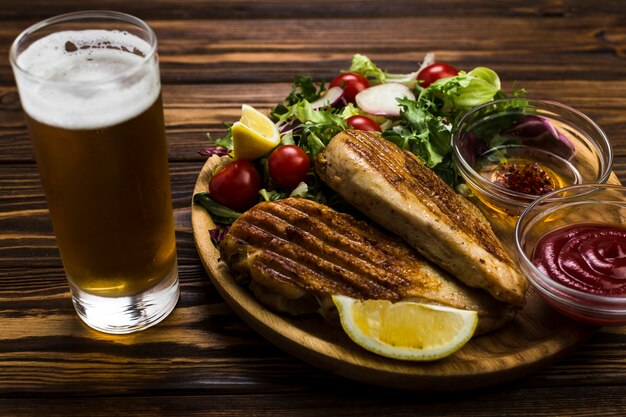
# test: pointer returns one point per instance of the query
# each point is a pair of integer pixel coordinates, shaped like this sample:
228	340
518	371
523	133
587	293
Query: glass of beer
90	87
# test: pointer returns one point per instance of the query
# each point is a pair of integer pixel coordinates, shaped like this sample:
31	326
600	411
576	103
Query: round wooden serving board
537	335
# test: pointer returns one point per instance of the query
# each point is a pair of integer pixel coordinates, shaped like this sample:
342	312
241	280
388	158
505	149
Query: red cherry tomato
236	186
363	123
351	83
288	166
434	72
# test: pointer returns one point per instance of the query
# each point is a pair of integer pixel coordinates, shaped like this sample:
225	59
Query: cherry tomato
351	83
435	71
288	166
236	186
363	123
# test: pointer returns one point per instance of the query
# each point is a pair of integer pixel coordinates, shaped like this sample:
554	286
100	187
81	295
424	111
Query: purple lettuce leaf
213	149
537	131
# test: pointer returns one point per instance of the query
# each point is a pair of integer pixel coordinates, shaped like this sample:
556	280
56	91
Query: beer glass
89	85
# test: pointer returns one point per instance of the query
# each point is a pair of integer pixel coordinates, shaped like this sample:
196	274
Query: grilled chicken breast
396	190
298	253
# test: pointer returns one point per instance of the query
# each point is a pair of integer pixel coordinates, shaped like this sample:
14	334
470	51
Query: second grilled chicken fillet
396	190
298	253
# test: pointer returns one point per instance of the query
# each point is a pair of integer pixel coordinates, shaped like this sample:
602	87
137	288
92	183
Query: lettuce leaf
219	213
364	66
427	123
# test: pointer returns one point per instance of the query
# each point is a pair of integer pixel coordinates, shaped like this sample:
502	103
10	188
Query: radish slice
410	79
332	97
380	99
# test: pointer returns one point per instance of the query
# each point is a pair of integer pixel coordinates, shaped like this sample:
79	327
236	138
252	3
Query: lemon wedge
254	134
405	330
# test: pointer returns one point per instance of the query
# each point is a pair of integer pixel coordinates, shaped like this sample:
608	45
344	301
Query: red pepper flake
524	178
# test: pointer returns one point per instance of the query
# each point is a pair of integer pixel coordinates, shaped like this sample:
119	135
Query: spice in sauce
589	257
524	178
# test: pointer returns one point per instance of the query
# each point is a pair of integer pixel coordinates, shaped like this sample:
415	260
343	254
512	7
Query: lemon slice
254	134
405	330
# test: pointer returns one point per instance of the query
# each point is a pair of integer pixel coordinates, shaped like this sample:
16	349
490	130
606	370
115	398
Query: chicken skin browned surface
396	190
297	253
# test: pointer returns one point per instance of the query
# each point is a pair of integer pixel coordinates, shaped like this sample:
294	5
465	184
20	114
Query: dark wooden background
216	55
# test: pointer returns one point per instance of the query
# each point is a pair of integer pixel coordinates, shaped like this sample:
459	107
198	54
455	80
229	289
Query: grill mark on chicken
395	189
293	249
319	234
391	160
313	269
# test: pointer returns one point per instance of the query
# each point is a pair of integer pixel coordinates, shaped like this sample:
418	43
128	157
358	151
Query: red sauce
588	257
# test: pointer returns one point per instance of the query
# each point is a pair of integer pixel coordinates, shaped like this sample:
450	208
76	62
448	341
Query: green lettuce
364	66
427	123
219	213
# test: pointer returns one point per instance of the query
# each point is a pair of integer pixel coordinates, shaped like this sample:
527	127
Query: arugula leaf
272	195
424	133
303	88
315	136
312	129
427	123
227	140
219	213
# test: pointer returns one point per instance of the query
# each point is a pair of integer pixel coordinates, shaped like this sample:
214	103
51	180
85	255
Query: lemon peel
405	330
254	135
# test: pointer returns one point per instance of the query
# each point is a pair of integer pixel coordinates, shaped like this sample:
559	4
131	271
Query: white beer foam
90	88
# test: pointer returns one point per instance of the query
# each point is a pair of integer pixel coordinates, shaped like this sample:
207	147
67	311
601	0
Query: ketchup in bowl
571	246
588	257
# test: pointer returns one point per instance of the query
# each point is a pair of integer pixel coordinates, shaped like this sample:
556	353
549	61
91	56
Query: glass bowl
511	151
582	204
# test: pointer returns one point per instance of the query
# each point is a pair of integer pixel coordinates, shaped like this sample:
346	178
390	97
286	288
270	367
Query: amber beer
94	111
108	192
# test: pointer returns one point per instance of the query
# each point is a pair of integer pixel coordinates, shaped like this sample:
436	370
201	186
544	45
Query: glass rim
511	196
545	280
77	16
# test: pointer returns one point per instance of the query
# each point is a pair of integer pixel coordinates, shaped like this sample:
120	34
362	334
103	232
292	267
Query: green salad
416	111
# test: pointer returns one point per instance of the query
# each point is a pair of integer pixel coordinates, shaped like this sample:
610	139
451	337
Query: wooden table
216	55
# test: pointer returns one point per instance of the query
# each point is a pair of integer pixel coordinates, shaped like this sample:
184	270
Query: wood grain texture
357	401
274	49
216	55
299	9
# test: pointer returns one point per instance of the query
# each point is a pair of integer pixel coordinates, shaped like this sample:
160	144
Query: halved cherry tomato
434	72
351	83
288	166
236	186
362	123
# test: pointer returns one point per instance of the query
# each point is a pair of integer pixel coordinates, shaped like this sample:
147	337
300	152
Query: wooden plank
256	50
346	401
330	9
